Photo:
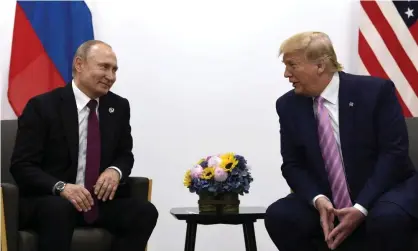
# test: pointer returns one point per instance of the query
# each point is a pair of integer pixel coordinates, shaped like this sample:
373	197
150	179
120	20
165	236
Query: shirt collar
81	99
330	93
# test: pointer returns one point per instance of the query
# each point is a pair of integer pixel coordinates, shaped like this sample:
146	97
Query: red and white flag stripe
388	48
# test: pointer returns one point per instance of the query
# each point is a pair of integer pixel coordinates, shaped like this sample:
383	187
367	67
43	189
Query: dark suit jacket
374	144
46	149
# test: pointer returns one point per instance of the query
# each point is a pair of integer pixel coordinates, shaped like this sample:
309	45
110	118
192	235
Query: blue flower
238	180
242	162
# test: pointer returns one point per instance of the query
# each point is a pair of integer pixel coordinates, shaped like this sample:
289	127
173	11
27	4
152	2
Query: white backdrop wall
202	78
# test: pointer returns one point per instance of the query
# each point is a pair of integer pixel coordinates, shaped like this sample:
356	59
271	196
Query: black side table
245	217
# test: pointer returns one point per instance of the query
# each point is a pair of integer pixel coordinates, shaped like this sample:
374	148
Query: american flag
388	38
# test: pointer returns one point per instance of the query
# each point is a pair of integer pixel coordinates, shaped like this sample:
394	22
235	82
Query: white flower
197	166
214	161
196	171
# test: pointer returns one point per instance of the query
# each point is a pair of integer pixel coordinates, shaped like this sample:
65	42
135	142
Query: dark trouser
293	225
54	219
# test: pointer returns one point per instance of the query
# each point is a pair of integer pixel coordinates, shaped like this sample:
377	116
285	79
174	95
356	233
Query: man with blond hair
344	145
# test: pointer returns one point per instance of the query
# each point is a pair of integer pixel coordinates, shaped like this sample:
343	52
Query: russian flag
46	35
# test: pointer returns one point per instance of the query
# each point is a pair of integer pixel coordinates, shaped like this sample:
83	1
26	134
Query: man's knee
149	210
144	213
387	218
278	217
292	215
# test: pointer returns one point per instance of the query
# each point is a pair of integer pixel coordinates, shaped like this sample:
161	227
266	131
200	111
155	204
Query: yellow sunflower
229	161
208	173
187	179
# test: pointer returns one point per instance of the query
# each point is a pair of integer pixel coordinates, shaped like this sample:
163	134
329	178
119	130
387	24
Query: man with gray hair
344	145
73	155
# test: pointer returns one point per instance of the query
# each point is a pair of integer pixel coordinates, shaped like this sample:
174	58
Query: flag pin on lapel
111	110
351	104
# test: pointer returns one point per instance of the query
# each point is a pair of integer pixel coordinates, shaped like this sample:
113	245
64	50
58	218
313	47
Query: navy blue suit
374	145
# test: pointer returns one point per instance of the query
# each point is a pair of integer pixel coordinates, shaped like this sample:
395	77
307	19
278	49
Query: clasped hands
349	219
105	188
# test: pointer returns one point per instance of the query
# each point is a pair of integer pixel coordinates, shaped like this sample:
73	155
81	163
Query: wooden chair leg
149	198
3	224
149	189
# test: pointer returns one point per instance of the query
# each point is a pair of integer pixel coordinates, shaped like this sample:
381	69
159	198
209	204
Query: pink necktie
92	159
332	157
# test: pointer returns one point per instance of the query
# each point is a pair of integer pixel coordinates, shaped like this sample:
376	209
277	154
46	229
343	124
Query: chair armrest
11	213
140	187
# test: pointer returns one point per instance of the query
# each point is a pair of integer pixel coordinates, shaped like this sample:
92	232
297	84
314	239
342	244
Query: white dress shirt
330	94
81	100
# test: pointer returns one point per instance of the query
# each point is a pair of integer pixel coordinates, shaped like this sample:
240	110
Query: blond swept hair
316	46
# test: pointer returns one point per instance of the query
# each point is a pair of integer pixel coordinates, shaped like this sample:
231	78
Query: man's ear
321	67
78	64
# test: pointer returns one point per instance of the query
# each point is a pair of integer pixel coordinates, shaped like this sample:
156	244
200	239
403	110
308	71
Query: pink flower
214	161
196	171
220	174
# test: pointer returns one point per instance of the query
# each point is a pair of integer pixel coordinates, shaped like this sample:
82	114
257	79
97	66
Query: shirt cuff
316	197
361	208
119	171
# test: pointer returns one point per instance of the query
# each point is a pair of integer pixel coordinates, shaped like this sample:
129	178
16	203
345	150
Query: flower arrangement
219	174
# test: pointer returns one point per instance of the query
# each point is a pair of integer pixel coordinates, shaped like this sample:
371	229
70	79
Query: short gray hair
83	51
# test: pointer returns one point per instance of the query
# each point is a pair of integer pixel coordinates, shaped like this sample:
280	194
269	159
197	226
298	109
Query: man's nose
287	73
110	75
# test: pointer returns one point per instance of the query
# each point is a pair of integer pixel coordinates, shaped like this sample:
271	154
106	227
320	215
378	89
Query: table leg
247	245
249	236
190	236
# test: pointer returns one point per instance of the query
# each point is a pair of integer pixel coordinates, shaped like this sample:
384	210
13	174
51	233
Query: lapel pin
111	110
351	104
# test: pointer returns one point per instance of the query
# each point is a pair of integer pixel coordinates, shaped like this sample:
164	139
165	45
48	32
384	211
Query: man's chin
102	91
298	91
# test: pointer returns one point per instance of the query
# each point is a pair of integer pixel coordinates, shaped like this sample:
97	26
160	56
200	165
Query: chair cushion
84	239
28	241
92	239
